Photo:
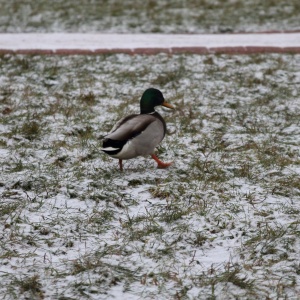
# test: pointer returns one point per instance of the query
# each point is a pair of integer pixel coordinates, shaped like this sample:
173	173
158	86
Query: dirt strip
153	51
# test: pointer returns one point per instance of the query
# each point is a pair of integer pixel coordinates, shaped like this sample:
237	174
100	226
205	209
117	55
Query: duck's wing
122	121
125	130
129	127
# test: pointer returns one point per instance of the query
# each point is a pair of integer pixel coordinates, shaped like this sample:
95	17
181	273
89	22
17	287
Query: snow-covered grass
221	223
176	16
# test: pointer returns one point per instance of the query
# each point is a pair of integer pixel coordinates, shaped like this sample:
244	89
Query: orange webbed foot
160	164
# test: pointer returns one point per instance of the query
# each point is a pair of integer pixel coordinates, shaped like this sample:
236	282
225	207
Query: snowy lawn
221	223
176	16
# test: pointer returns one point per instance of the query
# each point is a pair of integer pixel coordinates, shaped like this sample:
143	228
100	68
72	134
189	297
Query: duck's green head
151	98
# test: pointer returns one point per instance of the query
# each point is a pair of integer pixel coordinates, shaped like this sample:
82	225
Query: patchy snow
224	217
157	16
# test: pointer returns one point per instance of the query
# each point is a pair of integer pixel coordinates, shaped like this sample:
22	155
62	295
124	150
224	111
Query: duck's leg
160	164
121	165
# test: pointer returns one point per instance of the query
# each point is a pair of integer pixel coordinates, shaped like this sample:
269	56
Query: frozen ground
221	223
129	16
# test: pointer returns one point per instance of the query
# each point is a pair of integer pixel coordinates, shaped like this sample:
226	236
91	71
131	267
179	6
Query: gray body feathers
135	135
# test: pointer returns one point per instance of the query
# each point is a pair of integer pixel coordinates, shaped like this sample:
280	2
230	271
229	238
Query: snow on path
149	43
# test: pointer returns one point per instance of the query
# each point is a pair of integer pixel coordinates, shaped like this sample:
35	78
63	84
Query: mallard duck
139	134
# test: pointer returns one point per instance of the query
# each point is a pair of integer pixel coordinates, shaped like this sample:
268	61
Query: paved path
75	43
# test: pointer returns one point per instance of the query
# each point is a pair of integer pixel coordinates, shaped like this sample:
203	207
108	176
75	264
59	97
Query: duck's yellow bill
167	105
